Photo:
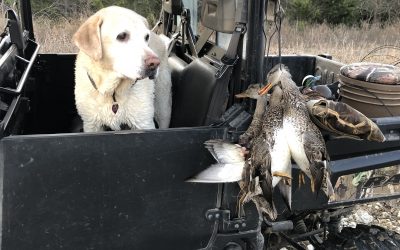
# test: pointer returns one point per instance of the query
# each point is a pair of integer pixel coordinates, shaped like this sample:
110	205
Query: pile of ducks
280	132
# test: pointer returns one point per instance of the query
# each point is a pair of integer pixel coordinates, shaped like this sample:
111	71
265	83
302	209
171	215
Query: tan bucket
372	99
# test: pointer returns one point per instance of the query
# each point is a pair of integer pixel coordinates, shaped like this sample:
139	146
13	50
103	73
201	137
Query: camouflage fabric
372	72
343	120
361	178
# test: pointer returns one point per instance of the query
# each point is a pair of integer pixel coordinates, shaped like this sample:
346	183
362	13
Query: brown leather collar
115	105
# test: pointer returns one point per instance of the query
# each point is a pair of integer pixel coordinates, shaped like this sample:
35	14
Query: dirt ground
384	213
370	184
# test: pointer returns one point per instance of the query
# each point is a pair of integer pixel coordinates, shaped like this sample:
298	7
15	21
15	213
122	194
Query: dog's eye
123	36
146	37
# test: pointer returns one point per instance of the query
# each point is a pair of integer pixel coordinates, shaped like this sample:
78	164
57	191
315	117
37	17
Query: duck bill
265	89
241	95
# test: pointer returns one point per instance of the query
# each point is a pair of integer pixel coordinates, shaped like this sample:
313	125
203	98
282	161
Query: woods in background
349	12
333	12
56	9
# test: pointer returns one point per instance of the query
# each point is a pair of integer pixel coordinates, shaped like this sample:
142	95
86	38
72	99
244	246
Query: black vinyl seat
193	88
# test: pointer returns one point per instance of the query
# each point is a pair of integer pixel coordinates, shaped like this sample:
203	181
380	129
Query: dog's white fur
163	84
116	68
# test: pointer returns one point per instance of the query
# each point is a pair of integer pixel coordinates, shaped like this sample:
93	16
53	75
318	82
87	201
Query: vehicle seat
194	84
199	97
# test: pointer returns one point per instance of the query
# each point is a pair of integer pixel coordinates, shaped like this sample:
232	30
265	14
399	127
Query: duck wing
230	166
224	151
220	173
266	183
317	155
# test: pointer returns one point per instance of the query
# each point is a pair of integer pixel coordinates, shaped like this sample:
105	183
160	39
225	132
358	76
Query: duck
274	139
227	153
313	90
233	161
255	126
256	181
266	141
304	140
253	141
255	138
267	146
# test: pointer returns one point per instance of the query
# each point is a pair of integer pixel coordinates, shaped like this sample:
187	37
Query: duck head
250	92
278	74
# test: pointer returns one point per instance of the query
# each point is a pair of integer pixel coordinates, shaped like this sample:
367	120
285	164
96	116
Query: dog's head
117	38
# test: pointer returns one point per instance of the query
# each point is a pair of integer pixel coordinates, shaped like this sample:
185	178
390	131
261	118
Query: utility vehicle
64	189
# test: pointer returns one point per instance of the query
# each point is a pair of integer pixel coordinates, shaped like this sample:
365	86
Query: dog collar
115	105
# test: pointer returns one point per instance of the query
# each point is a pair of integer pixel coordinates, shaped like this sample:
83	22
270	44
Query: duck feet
302	180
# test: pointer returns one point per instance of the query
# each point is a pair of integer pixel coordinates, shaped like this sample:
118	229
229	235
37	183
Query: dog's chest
135	108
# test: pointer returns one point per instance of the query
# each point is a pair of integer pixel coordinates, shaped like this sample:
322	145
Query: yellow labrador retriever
116	70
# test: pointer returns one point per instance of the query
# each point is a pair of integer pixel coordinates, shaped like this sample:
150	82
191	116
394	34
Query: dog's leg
91	127
147	125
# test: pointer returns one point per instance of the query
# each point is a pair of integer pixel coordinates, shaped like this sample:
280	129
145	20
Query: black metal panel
304	199
51	95
107	190
364	163
347	148
172	6
26	17
302	196
255	43
299	66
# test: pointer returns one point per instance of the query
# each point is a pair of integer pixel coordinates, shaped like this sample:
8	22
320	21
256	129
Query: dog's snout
151	62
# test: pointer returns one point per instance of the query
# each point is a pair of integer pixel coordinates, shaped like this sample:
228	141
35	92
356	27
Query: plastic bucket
372	99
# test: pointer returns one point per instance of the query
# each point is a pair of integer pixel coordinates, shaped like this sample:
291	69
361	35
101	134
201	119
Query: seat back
199	96
194	86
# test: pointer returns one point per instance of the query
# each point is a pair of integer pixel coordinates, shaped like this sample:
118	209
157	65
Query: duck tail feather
330	192
264	207
266	187
286	192
318	175
326	184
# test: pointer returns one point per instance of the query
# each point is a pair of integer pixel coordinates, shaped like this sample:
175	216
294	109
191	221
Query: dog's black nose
151	62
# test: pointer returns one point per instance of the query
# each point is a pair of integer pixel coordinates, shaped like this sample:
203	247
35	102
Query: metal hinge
224	217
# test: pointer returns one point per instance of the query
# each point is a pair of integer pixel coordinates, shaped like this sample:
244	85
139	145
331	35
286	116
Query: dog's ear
88	39
144	20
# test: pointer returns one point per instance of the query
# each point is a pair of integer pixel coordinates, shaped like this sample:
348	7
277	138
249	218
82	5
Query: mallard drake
304	140
311	88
